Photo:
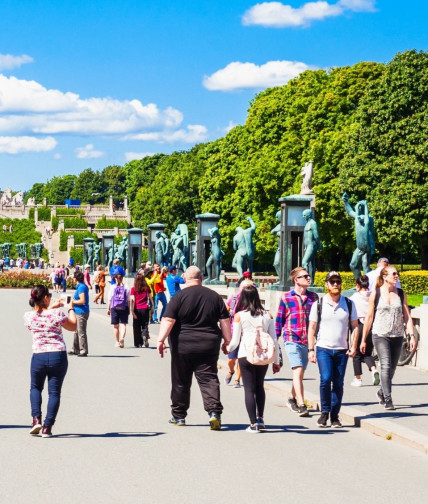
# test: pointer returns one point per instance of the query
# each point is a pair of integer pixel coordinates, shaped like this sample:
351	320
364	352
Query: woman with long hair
49	359
387	314
141	301
249	316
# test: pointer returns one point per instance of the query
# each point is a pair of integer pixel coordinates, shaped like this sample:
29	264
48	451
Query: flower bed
22	279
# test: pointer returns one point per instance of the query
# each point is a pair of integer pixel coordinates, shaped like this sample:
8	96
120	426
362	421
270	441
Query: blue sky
90	83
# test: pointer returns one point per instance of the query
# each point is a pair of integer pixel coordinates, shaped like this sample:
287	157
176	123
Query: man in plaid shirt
292	322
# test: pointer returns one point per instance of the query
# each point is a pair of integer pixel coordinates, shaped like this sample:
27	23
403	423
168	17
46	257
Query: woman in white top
250	315
388	320
361	301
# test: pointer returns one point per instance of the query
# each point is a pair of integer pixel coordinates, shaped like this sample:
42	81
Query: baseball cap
172	268
332	274
87	266
383	259
246	274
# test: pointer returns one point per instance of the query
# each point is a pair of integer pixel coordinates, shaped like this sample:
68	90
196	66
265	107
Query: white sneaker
117	344
357	382
376	377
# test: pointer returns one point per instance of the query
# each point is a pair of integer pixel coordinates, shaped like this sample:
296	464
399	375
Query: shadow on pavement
112	435
15	426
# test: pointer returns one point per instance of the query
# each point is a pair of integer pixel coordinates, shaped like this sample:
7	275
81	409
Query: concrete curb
388	430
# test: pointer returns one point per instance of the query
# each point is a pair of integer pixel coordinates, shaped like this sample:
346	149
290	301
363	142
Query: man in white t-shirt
373	275
332	346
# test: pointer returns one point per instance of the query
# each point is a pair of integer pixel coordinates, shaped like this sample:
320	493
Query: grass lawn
414	299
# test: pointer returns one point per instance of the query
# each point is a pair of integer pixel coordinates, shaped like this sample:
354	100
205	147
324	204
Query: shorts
119	316
233	354
297	354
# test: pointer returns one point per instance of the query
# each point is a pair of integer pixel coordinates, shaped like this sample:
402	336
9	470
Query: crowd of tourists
196	323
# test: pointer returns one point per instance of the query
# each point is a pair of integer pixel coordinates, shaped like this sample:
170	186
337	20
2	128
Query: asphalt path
112	441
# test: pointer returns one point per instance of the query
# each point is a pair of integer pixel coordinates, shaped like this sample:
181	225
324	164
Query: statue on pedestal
214	261
161	248
166	250
180	244
96	258
277	230
39	248
244	246
307	173
364	232
122	251
311	243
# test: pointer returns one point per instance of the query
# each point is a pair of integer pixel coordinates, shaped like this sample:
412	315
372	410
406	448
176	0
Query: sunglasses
335	282
395	274
304	276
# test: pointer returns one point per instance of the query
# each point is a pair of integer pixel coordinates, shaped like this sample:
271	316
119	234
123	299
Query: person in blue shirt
173	281
80	302
116	269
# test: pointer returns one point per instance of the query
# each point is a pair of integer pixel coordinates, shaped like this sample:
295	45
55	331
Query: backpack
119	300
260	348
319	311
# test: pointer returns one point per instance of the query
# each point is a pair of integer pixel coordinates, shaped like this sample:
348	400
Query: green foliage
77	254
70	223
58	189
79	236
60	212
37	192
23	232
89	187
105	223
43	214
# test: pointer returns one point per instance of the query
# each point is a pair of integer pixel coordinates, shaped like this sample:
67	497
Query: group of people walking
197	324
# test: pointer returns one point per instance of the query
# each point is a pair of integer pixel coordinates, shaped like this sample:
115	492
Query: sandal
228	378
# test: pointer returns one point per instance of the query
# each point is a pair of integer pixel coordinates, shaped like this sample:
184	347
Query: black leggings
367	357
253	378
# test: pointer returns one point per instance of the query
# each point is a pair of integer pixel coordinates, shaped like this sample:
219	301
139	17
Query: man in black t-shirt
191	322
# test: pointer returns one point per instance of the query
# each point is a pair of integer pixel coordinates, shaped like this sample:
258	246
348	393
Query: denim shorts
119	316
297	354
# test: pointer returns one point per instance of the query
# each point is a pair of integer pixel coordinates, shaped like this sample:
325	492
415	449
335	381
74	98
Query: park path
112	442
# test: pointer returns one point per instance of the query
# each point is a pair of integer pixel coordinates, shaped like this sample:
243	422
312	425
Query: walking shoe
117	344
215	421
82	355
228	378
336	424
376	378
146	342
72	353
237	384
356	382
177	421
322	420
121	343
47	431
303	410
253	428
36	425
261	424
292	404
380	396
389	405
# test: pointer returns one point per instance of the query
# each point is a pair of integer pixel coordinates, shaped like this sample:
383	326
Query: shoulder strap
319	311
401	295
349	305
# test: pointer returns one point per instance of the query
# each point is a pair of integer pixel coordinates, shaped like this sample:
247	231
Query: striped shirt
292	318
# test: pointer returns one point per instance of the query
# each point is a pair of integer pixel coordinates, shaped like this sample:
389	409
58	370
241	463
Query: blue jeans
160	296
53	366
332	368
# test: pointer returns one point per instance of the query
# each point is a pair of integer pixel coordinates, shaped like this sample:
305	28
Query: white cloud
131	156
193	134
17	145
28	107
279	15
239	75
229	127
8	61
57	155
88	152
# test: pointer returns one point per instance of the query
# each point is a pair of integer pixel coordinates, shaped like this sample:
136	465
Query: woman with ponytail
49	359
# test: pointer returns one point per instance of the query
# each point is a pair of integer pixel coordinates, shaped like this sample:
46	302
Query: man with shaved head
191	323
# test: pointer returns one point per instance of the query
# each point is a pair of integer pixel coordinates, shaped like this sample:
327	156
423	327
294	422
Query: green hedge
69	212
78	238
43	214
105	223
413	282
70	222
77	255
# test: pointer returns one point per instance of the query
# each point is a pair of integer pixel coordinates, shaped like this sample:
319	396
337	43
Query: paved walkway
112	442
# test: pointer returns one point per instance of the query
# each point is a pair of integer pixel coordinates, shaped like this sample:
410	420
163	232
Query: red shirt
141	298
158	283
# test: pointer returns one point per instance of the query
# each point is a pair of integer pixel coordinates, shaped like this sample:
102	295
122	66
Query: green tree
58	189
89	187
37	192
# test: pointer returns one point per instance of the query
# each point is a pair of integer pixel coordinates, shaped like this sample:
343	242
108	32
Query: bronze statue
244	246
180	244
364	232
311	242
277	230
214	261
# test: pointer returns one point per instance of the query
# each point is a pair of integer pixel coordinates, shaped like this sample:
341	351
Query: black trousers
367	358
140	326
253	378
204	366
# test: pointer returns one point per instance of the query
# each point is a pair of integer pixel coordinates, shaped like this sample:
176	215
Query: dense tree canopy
364	127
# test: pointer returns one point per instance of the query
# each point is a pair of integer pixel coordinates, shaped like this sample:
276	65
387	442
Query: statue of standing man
277	230
244	246
364	231
311	243
214	261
